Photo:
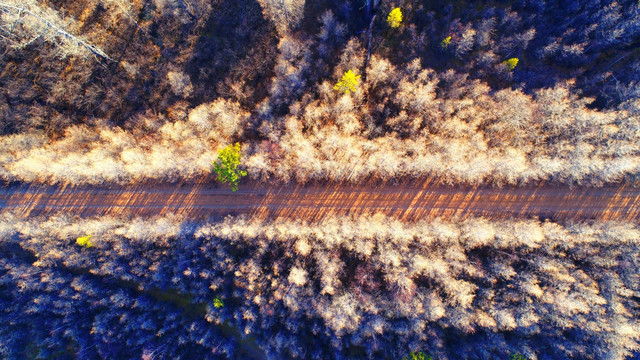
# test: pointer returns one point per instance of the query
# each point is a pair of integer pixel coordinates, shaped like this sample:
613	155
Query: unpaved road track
408	201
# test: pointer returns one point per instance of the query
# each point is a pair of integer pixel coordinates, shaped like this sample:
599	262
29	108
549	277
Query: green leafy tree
227	166
395	18
348	82
84	241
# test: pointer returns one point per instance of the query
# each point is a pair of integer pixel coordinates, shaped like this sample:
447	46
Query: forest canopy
512	93
363	287
468	93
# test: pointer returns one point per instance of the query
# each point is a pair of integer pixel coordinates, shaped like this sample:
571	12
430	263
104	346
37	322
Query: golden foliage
445	42
511	63
395	18
348	82
84	241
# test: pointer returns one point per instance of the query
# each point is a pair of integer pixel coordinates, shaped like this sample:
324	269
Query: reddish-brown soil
410	201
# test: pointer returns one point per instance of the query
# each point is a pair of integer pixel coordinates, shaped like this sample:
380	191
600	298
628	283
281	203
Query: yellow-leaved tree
511	63
395	18
348	82
445	42
84	241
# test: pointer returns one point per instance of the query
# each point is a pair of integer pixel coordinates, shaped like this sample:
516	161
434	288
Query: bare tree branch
56	29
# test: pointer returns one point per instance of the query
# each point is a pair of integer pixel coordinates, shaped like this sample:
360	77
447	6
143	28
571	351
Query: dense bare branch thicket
415	122
454	111
399	123
285	14
369	287
27	21
166	150
50	79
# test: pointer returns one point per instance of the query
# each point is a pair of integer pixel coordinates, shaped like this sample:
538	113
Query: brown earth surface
408	201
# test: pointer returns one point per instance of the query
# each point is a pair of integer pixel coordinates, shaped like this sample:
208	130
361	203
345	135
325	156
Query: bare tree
285	14
26	21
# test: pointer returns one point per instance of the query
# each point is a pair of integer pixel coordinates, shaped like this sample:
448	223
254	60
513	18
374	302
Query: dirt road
409	201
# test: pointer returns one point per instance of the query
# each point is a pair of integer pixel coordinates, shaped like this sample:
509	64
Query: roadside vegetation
352	287
226	166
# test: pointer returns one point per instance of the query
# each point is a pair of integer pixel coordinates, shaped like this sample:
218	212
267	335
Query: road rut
408	201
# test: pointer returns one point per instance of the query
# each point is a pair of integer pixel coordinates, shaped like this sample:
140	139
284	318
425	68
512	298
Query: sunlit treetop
445	42
511	63
348	82
218	303
227	166
84	241
395	18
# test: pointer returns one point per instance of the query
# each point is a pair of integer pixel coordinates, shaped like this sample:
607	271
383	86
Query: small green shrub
417	356
218	303
227	166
